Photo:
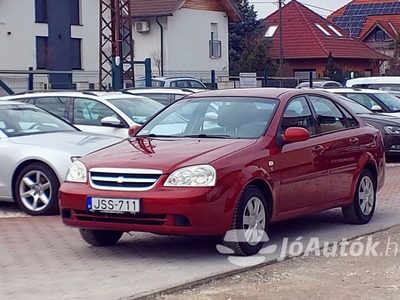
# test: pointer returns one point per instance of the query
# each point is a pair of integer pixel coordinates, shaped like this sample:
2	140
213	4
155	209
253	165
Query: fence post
311	79
147	72
265	78
30	79
213	81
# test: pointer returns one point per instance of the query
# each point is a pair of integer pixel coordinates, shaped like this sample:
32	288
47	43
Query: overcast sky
266	7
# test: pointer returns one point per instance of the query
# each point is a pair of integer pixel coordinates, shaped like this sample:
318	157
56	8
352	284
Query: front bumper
177	211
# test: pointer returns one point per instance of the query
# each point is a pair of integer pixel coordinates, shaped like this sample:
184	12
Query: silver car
36	150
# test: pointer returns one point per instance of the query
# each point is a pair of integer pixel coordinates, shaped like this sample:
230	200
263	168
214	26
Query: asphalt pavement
40	258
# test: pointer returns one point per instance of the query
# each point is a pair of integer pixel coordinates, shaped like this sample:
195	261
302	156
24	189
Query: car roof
373	79
163	90
72	93
259	92
356	90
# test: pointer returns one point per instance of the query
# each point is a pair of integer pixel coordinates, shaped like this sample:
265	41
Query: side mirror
133	130
376	108
110	121
295	134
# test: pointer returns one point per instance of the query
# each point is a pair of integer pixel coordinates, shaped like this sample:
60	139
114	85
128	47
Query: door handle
354	141
318	149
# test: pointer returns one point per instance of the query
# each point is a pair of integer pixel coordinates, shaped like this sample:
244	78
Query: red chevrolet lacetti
228	161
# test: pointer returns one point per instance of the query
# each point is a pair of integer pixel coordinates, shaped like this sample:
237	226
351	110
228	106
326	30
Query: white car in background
110	113
172	81
36	150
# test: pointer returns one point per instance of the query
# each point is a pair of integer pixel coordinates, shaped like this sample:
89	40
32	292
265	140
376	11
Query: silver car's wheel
36	190
254	220
364	202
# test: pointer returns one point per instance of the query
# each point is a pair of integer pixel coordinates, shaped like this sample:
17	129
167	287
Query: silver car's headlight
392	129
202	175
76	172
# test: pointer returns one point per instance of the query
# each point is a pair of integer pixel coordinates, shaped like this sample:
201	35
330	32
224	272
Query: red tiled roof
303	39
153	8
389	23
340	11
147	8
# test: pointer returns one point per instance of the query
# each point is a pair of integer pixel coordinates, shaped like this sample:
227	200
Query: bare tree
156	60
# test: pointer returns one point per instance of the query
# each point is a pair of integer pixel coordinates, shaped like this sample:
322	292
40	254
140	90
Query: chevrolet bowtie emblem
120	179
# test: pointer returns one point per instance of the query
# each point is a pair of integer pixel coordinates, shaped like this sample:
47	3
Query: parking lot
43	259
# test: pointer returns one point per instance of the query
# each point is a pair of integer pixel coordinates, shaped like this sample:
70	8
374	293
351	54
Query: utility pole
280	40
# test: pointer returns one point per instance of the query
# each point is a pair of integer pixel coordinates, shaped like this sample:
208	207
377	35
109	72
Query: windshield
138	109
389	100
154	83
355	106
222	117
18	120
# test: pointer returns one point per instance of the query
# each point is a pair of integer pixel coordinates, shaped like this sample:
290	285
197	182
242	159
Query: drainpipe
162	46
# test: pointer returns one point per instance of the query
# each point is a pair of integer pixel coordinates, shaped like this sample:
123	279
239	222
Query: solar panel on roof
357	14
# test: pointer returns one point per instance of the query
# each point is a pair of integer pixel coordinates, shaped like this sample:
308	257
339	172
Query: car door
303	169
87	116
341	149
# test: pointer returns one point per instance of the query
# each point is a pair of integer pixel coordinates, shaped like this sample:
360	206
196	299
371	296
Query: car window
90	112
332	84
164	99
55	105
329	116
298	114
389	100
138	109
17	121
363	99
227	117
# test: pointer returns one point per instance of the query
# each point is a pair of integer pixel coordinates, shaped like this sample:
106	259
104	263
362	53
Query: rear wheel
249	223
36	190
363	206
100	238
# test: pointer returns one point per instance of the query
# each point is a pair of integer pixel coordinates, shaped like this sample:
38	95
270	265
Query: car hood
76	142
164	154
388	119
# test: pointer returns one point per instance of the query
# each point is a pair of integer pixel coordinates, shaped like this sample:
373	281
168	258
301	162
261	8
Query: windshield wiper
212	136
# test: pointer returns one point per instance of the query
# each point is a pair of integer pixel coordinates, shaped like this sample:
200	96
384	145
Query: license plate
113	205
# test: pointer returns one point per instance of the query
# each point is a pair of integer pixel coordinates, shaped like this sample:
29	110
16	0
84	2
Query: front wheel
102	238
249	225
364	202
36	190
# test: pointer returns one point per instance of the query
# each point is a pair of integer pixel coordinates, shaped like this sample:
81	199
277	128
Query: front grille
138	219
123	179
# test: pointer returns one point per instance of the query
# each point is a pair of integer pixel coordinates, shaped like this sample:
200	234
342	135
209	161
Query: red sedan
228	161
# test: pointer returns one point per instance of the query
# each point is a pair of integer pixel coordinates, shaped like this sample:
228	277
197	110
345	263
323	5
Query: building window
41	11
214	43
76	54
75	12
42	52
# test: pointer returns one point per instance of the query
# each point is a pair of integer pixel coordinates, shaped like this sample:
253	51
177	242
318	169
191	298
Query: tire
364	201
248	232
100	238
36	190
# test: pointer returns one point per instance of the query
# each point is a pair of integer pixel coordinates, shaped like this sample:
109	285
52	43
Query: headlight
76	172
392	129
203	175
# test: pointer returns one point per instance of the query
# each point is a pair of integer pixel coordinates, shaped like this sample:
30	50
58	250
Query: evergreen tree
246	52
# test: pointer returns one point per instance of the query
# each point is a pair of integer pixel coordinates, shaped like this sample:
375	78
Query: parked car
388	124
36	149
111	113
175	82
163	95
320	84
273	154
375	82
376	100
